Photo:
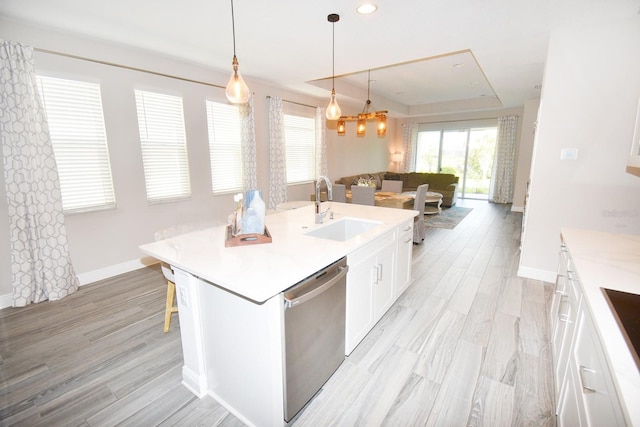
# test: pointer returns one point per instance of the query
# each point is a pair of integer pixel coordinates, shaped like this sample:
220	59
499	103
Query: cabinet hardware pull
374	274
379	272
586	389
407	229
408	240
563	317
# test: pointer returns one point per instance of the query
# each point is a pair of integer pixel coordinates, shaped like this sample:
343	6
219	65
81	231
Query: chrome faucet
320	215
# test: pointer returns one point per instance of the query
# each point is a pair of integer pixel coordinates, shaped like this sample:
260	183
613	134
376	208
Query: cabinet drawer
595	388
361	254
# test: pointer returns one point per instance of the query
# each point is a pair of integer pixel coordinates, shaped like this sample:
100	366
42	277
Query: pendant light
333	110
237	90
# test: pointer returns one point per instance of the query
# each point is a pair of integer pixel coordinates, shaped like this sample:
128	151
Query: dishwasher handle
291	299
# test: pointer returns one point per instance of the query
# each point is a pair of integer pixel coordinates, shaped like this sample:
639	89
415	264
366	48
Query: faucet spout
320	215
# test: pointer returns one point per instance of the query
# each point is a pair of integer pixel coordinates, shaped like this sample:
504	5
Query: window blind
76	126
164	146
299	135
225	147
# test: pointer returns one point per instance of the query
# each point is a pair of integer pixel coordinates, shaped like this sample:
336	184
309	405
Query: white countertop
260	271
607	260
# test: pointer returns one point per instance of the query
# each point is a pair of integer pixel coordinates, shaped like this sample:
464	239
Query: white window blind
299	135
76	126
225	149
164	146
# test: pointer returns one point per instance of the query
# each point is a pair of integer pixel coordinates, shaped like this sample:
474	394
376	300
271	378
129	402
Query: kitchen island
231	306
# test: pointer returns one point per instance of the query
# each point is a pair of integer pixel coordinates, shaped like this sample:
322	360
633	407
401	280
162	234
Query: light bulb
237	90
333	110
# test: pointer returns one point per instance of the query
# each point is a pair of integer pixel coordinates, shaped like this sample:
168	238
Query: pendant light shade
237	90
382	125
333	109
342	126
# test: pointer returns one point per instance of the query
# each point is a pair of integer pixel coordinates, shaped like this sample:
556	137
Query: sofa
443	183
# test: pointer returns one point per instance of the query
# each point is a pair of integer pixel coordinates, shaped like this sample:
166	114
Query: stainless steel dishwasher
314	322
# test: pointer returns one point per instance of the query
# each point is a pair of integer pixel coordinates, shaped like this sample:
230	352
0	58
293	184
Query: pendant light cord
233	29
333	55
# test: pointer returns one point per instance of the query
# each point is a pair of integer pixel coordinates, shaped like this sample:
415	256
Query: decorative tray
246	239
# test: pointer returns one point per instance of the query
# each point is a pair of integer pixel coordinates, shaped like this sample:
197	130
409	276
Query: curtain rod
294	102
126	67
460	120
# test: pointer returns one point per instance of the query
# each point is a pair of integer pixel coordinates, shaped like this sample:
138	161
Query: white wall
106	243
590	94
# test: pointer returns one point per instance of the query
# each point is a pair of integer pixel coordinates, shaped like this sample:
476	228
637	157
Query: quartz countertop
608	260
260	271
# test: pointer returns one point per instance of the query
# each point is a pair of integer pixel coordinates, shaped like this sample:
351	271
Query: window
465	152
164	146
225	147
76	126
300	141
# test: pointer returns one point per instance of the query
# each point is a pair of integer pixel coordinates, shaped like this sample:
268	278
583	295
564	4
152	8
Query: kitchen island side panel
243	350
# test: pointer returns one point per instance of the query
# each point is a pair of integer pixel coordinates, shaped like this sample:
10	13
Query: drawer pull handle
408	240
564	317
586	389
407	229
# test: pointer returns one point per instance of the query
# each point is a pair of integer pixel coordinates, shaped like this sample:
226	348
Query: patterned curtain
248	146
501	186
321	143
277	154
40	263
410	133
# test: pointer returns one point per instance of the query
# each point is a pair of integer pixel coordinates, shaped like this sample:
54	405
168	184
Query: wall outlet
569	154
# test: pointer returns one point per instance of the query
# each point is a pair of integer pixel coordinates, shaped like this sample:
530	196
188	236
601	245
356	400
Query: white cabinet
404	260
584	387
564	313
370	286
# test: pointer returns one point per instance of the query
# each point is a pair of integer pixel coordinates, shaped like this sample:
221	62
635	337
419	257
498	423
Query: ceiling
424	56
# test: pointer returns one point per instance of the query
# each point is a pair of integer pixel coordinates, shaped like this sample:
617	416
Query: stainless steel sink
343	229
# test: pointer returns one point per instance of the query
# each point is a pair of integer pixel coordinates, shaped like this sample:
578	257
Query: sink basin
343	229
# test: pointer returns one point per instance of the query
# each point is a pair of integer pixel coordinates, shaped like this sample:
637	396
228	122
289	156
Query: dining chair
419	227
362	195
339	193
390	185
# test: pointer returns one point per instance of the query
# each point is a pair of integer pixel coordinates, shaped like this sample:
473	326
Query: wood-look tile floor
466	345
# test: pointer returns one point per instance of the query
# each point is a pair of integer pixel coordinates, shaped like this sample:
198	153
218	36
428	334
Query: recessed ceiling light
367	8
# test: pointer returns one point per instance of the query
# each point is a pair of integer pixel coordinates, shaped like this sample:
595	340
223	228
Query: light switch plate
569	154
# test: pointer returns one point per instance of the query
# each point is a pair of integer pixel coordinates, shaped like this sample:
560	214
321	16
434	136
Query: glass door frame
442	127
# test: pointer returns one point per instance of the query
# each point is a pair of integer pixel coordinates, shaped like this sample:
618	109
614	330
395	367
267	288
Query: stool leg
171	293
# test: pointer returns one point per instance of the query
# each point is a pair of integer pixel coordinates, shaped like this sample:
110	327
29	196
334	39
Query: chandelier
364	116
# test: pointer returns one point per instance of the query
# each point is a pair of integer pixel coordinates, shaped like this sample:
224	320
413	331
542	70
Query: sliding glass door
465	152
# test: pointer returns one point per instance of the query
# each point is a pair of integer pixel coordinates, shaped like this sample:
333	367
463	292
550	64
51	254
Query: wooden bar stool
171	305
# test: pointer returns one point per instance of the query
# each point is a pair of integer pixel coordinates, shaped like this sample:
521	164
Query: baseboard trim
6	300
115	270
537	274
517	208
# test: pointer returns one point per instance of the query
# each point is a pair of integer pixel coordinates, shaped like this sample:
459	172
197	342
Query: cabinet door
565	329
569	412
383	281
359	319
404	258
